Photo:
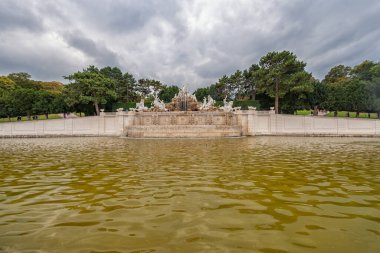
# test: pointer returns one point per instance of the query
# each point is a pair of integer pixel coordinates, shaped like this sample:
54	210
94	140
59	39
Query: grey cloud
18	15
126	16
181	42
100	53
337	31
41	68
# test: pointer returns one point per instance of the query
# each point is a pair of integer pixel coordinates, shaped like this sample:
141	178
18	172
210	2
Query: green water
264	194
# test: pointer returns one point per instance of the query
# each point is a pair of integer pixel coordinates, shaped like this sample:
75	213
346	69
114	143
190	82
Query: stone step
183	131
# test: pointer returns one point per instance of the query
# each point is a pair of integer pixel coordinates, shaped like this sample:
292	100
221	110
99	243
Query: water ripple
233	195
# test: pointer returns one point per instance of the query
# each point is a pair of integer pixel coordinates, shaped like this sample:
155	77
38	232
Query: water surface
262	194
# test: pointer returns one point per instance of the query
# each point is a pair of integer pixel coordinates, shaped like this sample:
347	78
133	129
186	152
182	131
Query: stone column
119	121
272	121
101	123
252	121
129	119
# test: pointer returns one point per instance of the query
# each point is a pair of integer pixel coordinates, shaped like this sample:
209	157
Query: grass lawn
353	114
24	118
344	114
303	112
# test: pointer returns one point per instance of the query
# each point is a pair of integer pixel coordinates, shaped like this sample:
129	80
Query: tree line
87	91
279	79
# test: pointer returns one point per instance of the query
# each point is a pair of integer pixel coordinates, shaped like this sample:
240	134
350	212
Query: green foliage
338	74
148	87
201	93
303	112
167	93
22	80
90	87
281	73
6	83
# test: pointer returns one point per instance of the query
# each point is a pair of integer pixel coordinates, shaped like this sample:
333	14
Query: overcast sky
178	42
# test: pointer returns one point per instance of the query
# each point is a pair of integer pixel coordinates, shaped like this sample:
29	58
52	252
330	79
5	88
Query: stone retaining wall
246	123
281	124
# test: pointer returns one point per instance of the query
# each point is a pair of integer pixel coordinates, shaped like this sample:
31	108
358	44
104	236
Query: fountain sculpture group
184	116
184	101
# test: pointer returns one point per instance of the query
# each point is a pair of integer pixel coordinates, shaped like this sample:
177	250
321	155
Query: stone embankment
192	125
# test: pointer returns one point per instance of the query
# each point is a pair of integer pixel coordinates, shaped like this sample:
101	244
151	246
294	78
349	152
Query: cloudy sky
178	41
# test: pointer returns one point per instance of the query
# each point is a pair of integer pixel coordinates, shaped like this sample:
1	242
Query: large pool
259	194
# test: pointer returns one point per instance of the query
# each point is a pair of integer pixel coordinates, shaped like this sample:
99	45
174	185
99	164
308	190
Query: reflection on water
263	194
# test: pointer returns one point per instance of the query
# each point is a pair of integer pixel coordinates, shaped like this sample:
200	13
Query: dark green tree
148	87
223	89
21	101
22	80
90	86
279	73
43	103
338	74
168	92
318	96
362	71
250	81
358	96
200	93
126	91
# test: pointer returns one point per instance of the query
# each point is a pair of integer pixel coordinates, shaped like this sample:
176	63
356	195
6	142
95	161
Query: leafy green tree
338	74
336	99
318	96
126	90
4	103
279	73
374	86
236	85
223	89
148	87
21	101
90	87
168	92
200	93
22	80
112	73
363	71
43	103
298	96
358	96
6	83
250	81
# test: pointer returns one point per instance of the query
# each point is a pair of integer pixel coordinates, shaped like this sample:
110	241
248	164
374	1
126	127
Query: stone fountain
184	117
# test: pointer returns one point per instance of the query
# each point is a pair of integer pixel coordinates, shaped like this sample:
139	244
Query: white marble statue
158	104
140	106
208	104
204	104
227	106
